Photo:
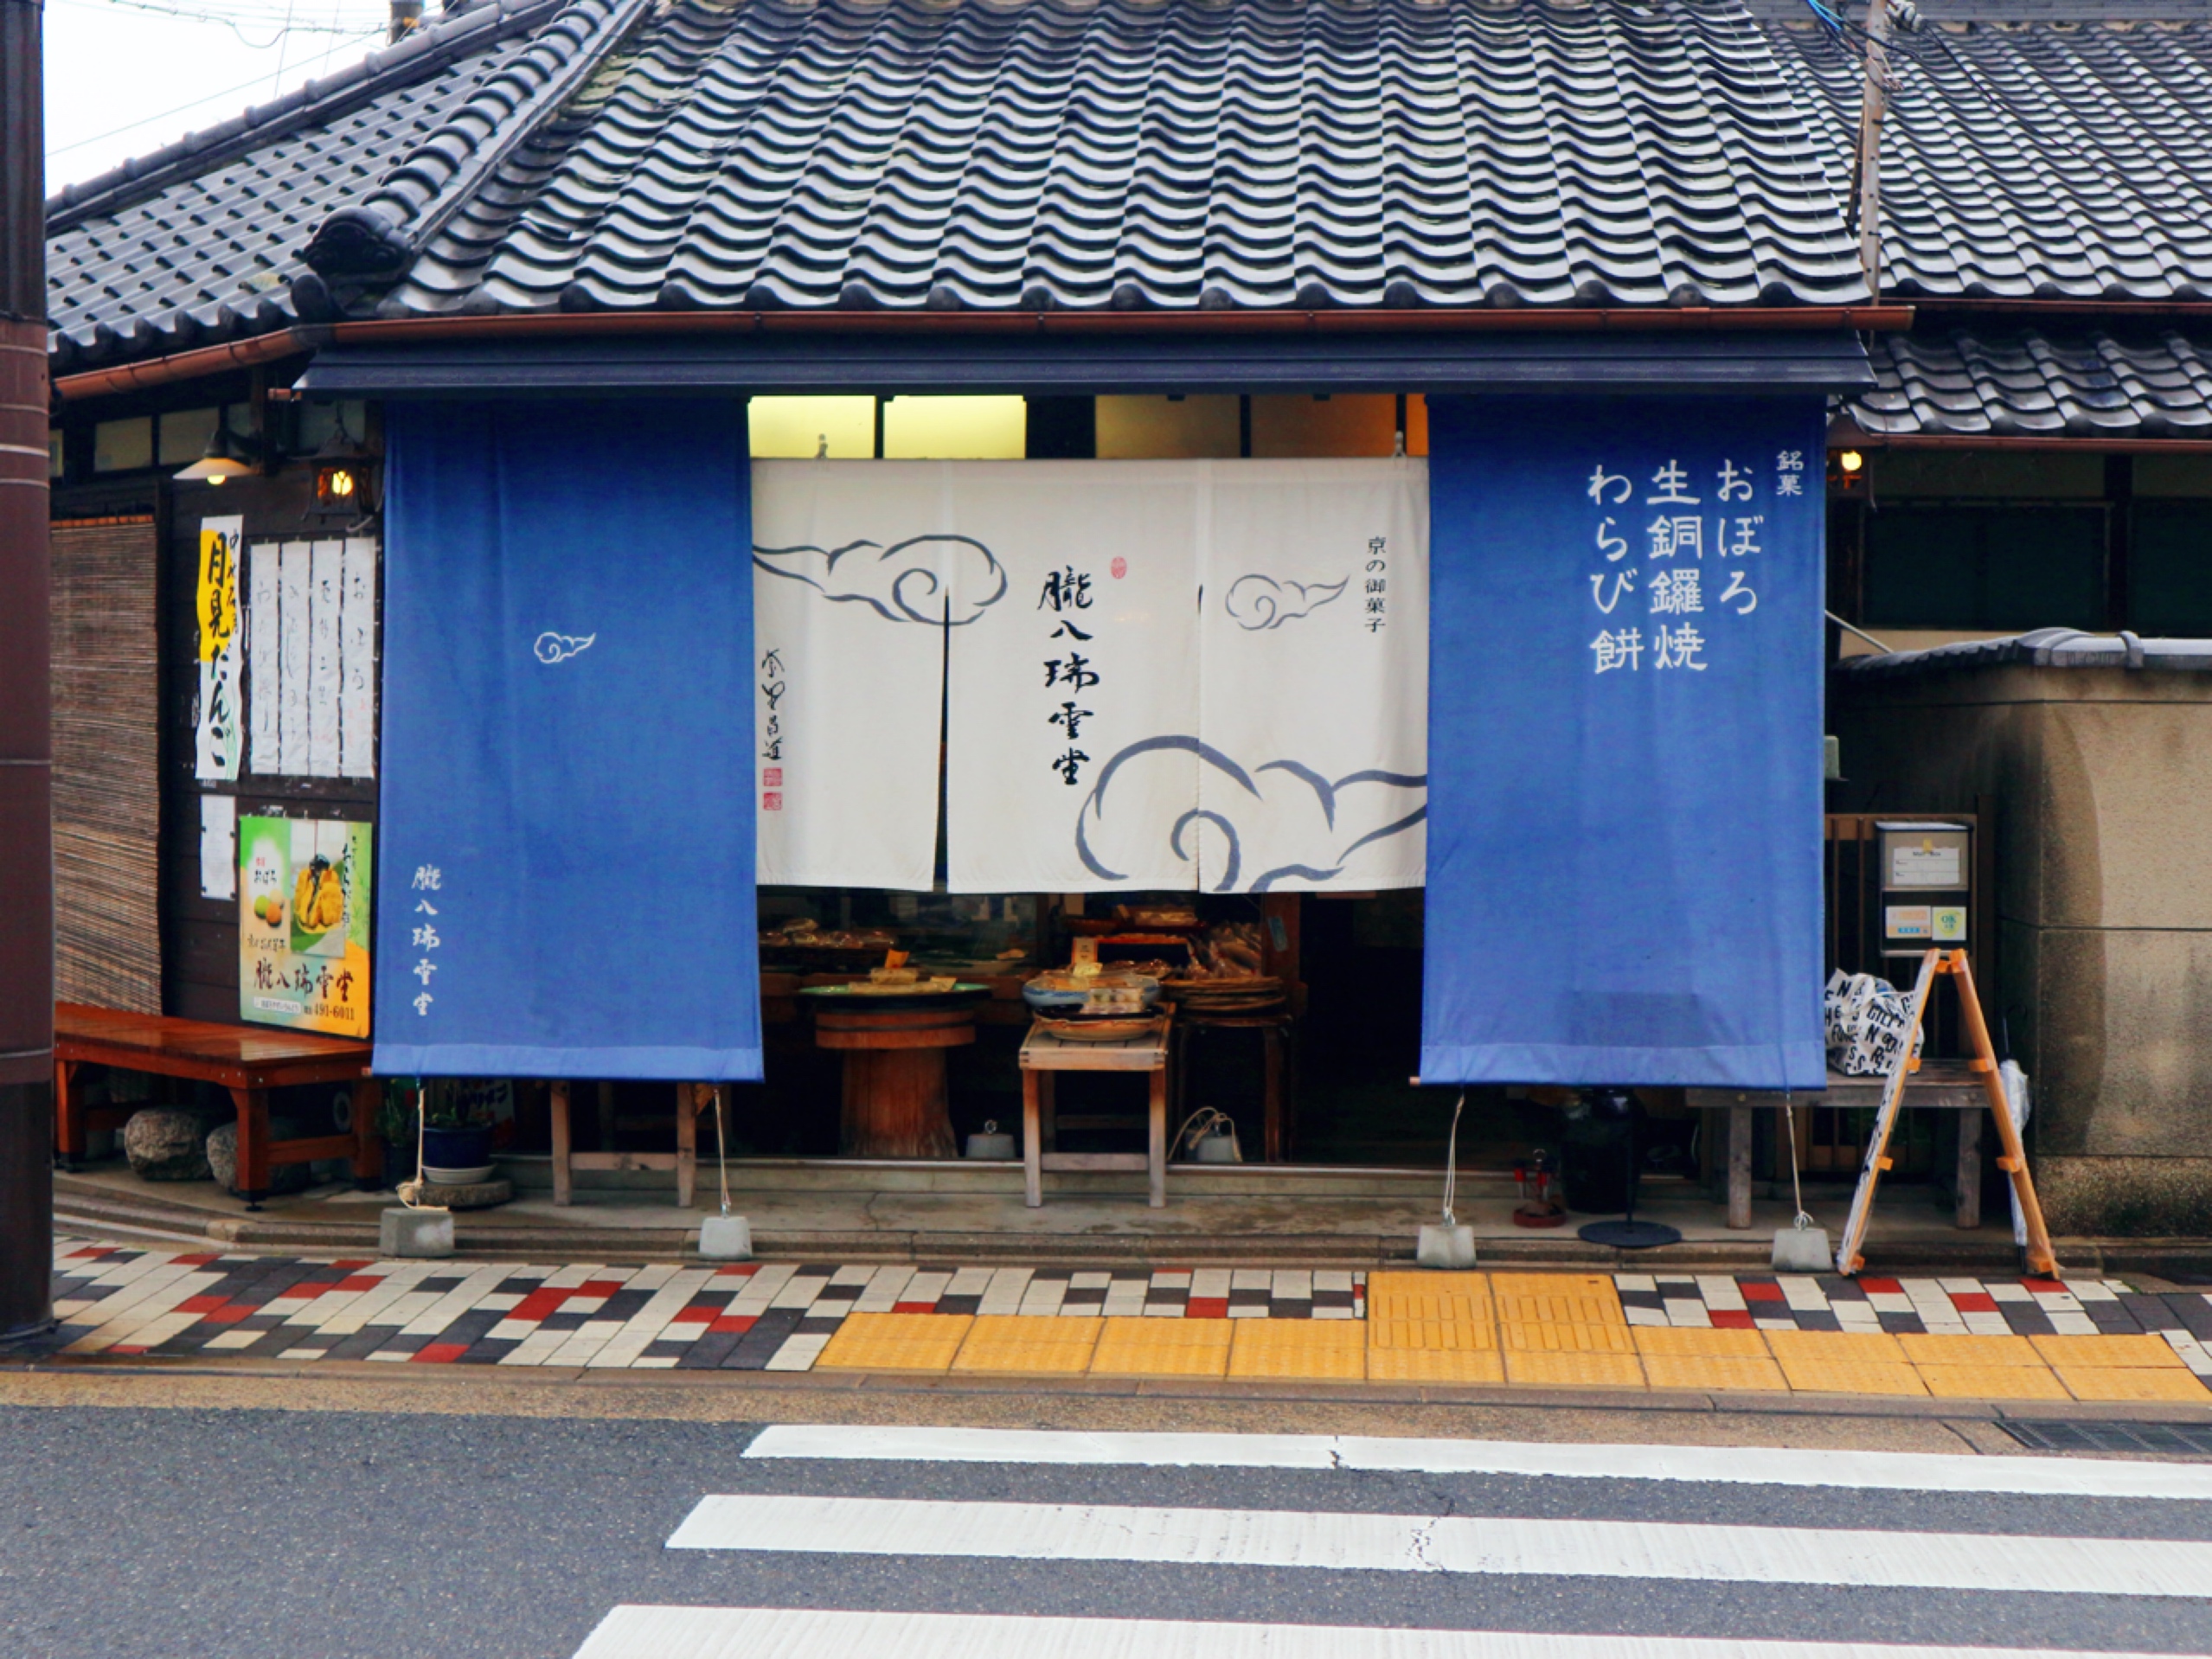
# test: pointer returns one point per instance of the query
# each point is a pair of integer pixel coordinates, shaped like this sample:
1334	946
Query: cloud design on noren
1276	821
907	581
1255	602
550	648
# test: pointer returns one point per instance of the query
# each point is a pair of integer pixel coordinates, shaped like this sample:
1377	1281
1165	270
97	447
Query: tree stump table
895	1104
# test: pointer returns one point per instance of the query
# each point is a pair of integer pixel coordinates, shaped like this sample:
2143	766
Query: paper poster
263	670
357	659
303	923
848	595
218	846
1314	653
217	718
323	590
311	658
292	587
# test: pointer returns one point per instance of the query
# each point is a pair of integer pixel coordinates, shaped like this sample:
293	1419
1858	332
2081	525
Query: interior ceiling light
224	458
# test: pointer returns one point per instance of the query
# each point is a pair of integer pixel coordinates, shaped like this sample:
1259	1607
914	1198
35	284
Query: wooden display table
1938	1085
1043	1055
894	1101
249	1060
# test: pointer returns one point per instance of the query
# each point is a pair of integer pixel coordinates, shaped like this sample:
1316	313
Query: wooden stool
1042	1055
1274	1030
691	1099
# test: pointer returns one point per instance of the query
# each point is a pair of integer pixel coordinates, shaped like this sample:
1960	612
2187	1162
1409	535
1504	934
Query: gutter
200	361
301	338
1842	434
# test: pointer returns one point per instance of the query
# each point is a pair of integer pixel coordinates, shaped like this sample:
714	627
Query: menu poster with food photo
303	923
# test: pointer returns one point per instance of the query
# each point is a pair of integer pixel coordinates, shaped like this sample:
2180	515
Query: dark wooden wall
200	936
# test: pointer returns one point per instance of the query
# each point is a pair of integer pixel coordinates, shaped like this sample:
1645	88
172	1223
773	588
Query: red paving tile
441	1353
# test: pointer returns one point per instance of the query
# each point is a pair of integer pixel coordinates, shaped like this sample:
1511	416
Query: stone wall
2103	780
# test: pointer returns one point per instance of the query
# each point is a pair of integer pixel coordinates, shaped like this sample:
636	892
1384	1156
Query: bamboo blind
106	764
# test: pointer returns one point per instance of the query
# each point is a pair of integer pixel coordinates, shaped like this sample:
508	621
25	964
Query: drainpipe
26	817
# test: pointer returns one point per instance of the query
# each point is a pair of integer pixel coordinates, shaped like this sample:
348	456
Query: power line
197	103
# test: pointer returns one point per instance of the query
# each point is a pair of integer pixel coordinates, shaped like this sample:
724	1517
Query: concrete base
1445	1246
725	1238
415	1233
1803	1250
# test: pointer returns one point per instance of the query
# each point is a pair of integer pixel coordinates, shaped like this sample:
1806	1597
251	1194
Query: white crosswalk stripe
1607	1549
1454	1544
781	1633
1732	1466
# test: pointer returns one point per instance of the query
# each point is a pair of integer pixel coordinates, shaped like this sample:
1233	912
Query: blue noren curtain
566	873
1625	724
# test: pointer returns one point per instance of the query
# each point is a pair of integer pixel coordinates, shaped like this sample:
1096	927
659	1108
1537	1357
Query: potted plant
456	1133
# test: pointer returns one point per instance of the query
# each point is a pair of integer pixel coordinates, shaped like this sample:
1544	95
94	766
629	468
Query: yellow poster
303	923
218	726
218	606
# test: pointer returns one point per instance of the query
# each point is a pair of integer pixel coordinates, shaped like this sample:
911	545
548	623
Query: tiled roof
2031	383
1262	153
2044	161
200	242
2046	648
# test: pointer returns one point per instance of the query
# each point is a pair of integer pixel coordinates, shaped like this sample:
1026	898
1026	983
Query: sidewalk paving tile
897	1342
1137	1347
1030	1345
1312	1349
2021	1338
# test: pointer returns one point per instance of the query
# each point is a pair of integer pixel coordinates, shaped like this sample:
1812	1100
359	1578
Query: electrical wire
197	103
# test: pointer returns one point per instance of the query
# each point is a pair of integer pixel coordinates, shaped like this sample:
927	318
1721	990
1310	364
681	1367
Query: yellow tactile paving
1949	1349
1597	1285
1714	1371
2134	1353
1131	1346
1850	1376
1317	1349
1460	1298
1688	1343
1835	1346
1430	1333
895	1342
2139	1382
1434	1365
1549	1336
1992	1381
1561	1369
1032	1344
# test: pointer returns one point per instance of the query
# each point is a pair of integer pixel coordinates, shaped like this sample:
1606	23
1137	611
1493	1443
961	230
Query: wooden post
1740	1166
1874	104
1967	1196
253	1144
68	1114
562	1191
1271	1062
1032	1146
1156	1141
367	1135
688	1097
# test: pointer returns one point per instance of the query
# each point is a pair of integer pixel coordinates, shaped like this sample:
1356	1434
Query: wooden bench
1938	1085
249	1060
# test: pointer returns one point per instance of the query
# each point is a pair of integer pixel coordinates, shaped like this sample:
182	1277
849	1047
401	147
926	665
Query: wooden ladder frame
2013	1160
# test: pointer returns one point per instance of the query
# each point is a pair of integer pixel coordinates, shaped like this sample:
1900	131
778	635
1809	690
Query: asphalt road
129	1531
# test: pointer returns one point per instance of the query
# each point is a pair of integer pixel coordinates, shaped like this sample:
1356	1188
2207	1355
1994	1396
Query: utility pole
26	746
1874	104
